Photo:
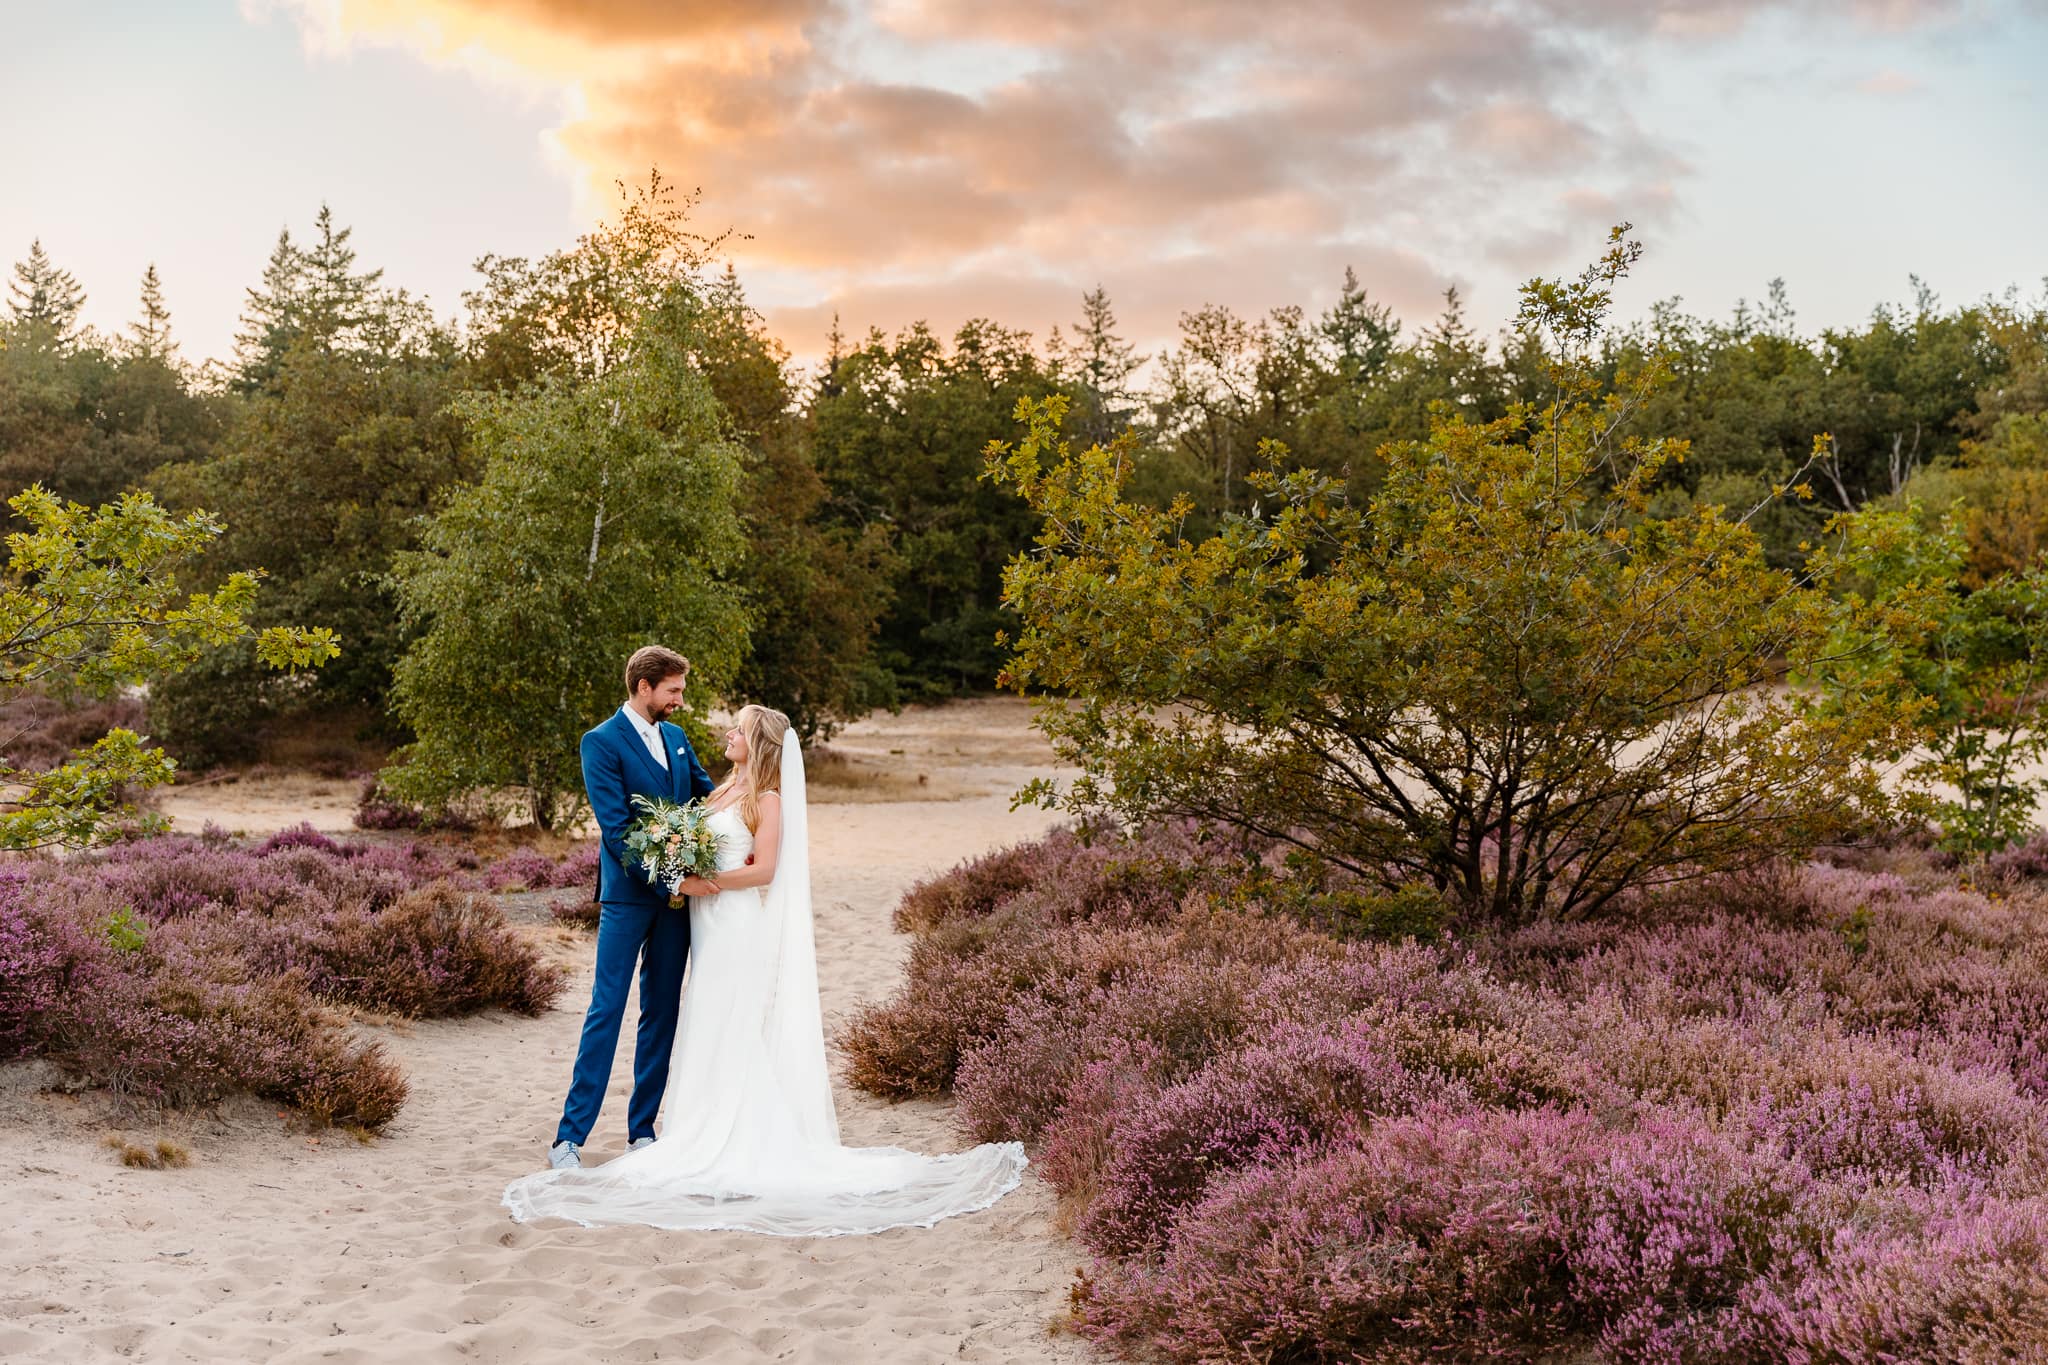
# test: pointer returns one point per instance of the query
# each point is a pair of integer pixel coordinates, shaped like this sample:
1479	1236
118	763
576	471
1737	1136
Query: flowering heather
1294	1091
44	961
1434	1236
1100	878
180	970
1795	1115
579	912
2021	862
377	809
1929	1277
1674	1229
528	869
182	1018
433	952
1176	1012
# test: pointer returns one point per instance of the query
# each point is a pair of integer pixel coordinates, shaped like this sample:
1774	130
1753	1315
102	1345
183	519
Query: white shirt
650	735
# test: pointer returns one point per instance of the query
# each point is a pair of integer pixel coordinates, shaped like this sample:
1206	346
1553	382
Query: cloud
1889	82
948	158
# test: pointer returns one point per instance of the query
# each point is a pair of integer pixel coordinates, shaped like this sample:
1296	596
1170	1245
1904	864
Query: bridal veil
750	1138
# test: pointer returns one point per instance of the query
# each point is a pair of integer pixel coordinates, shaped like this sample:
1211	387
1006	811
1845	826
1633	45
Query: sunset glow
943	159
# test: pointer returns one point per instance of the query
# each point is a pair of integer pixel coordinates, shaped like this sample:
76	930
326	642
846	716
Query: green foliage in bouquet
672	840
1501	677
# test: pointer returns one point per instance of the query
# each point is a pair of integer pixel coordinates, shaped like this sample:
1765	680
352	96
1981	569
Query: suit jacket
617	768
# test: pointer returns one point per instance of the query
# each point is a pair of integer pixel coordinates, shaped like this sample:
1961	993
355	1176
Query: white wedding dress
750	1140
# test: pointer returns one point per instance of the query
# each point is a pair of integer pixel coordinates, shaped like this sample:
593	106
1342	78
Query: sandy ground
275	1247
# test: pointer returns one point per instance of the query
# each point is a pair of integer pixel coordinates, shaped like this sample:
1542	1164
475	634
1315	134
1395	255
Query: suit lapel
630	737
678	770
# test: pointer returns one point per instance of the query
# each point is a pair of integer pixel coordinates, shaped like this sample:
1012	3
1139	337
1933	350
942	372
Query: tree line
608	445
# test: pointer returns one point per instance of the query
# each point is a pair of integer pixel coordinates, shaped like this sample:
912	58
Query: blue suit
635	924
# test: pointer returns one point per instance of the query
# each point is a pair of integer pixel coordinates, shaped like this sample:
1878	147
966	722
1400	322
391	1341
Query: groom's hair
653	665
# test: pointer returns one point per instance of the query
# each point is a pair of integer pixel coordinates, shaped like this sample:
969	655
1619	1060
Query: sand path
272	1248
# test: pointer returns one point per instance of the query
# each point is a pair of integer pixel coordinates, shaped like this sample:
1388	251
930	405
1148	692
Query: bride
751	1139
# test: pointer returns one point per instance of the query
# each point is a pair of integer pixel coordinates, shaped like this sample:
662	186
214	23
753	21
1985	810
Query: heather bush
1287	1094
1930	1277
978	887
578	868
1674	1231
963	979
1067	1069
45	961
377	809
434	952
578	912
2023	862
186	1020
165	879
1949	973
1175	1012
528	869
298	836
1177	982
1790	1114
525	869
180	970
1098	875
1435	1236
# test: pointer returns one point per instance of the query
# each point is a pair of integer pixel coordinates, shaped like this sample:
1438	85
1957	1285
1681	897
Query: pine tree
271	318
1361	331
829	385
1779	318
151	333
338	302
44	301
1103	363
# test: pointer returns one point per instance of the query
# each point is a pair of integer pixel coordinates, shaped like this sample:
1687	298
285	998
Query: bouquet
672	841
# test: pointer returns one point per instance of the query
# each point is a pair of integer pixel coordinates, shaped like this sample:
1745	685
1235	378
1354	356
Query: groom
635	753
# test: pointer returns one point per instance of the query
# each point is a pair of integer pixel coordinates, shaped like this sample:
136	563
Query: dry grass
163	1154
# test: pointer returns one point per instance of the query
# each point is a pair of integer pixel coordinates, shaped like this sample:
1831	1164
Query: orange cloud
946	158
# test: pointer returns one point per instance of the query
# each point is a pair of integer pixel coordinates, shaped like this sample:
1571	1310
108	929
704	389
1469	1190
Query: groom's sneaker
637	1143
565	1156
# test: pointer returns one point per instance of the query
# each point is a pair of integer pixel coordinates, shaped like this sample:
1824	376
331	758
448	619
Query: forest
826	536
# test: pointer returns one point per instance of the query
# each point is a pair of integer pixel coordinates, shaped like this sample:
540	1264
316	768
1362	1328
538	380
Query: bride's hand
696	886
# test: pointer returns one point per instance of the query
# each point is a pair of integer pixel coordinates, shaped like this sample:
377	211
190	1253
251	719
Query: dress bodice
735	840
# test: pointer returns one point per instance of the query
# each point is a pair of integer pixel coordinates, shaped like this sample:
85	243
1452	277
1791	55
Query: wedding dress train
750	1138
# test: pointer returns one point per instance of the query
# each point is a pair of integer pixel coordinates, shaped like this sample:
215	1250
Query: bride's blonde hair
766	730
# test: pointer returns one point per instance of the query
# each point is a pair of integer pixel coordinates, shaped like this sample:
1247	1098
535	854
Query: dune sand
275	1247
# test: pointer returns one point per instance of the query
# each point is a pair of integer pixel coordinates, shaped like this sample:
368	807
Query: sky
900	160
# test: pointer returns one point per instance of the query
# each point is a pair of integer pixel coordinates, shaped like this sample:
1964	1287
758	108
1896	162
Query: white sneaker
565	1156
637	1143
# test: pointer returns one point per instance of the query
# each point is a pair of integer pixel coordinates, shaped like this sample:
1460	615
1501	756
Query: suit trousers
657	937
